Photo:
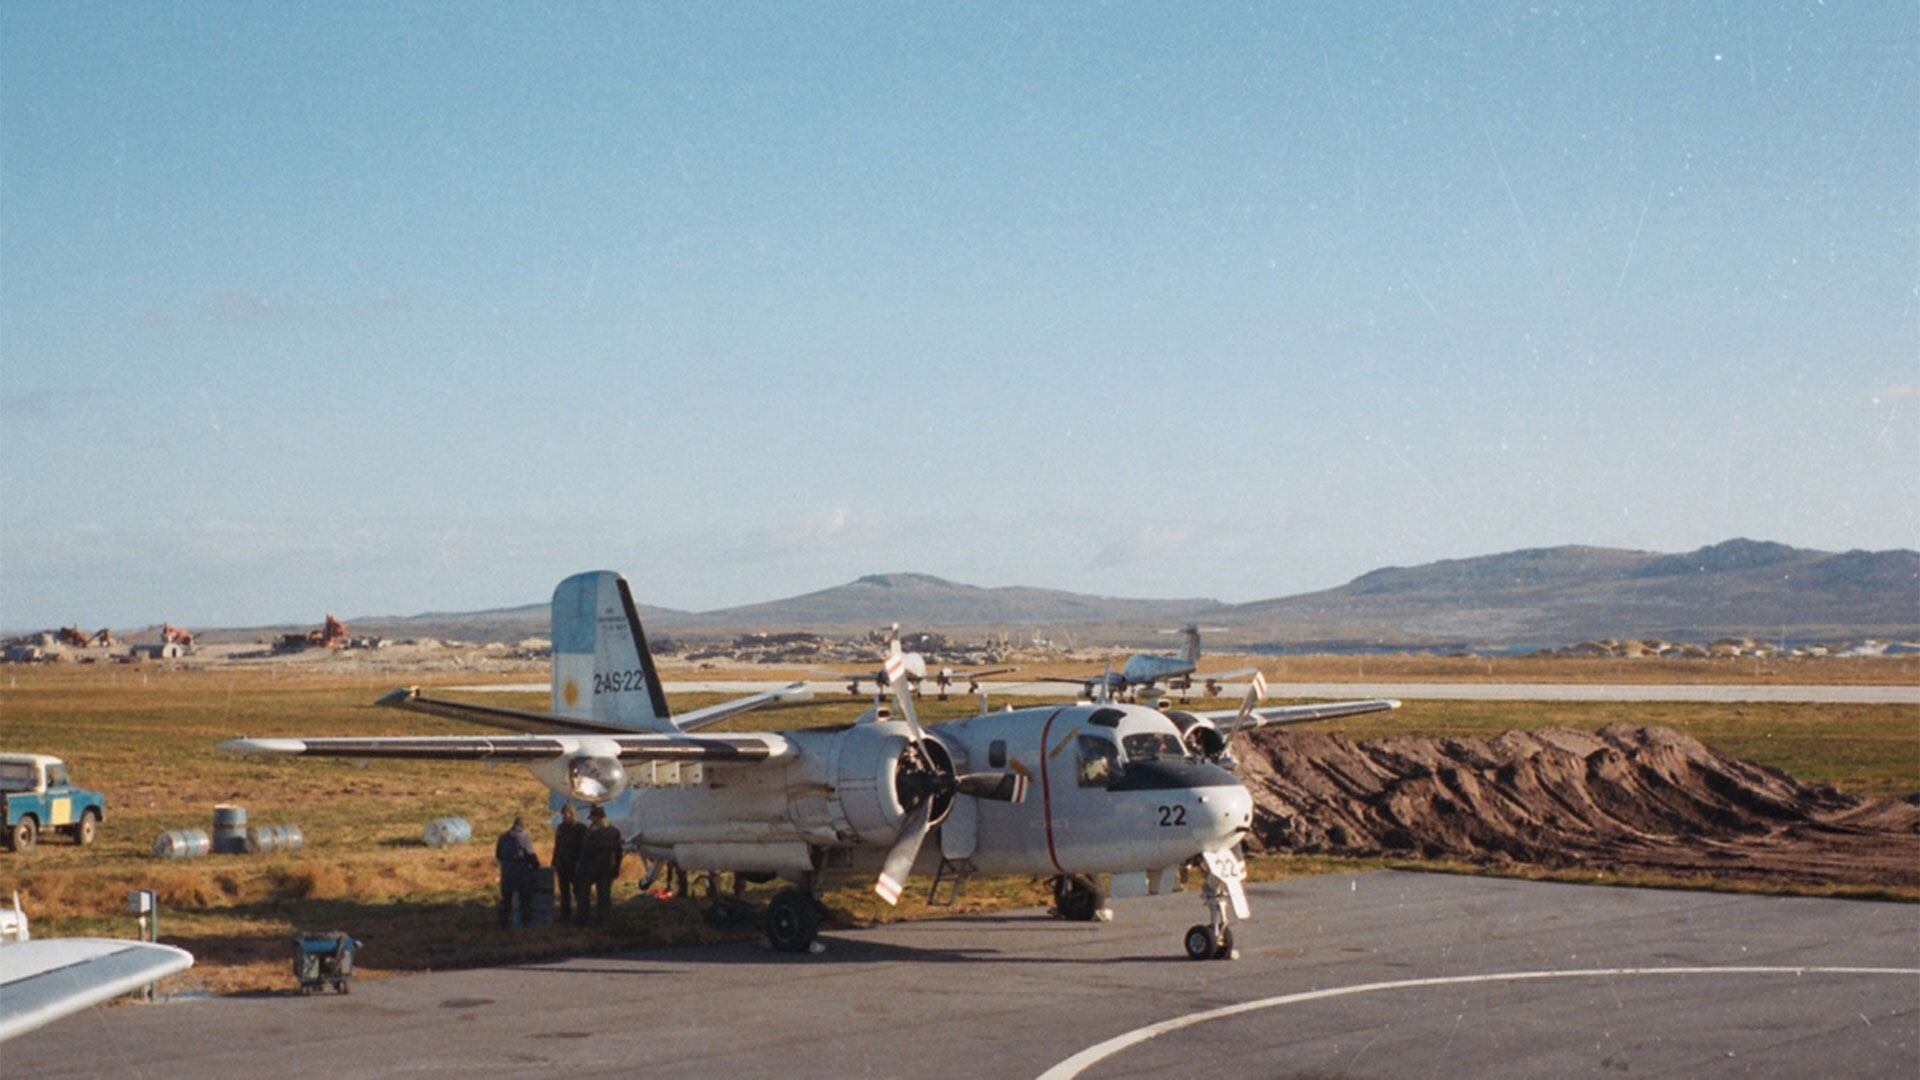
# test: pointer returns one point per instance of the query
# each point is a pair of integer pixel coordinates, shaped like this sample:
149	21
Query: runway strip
1012	993
1093	1055
1726	693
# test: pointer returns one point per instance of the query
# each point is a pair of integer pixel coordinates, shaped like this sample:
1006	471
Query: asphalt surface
1636	982
1707	692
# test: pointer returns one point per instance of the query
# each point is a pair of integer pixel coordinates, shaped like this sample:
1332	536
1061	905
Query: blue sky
384	308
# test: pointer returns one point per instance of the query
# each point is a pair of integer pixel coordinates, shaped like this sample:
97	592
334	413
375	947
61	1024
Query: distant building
164	650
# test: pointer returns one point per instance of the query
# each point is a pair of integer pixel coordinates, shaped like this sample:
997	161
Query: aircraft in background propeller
1126	793
1143	671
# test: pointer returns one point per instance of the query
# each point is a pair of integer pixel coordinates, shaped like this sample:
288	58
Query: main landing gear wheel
1076	899
793	921
1204	943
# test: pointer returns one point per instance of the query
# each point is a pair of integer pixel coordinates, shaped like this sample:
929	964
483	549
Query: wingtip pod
263	747
398	698
1392	703
794	693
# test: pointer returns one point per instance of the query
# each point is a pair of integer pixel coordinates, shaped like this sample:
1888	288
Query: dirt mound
1626	797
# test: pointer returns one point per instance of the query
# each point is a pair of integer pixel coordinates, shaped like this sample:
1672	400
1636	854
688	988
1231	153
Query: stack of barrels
231	836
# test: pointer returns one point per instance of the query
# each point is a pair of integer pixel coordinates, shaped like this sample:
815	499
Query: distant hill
1539	596
1566	594
921	600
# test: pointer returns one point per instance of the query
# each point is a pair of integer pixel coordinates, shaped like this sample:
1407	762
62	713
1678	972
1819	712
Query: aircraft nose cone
1229	814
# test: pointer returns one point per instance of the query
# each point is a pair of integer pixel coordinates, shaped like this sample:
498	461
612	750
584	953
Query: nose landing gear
1213	939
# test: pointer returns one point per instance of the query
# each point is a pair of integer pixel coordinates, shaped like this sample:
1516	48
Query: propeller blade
1256	691
896	670
893	875
998	786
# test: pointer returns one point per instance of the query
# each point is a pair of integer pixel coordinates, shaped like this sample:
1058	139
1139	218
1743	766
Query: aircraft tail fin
602	669
1190	649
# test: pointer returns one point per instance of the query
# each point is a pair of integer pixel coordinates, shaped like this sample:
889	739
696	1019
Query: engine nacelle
866	773
1199	735
863	787
596	778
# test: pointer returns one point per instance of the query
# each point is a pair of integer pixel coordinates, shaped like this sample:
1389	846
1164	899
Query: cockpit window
1153	745
1099	761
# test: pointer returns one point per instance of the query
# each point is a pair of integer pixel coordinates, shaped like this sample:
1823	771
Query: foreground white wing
42	981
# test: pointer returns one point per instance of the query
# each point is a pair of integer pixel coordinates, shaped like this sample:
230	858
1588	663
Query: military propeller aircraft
917	673
1143	671
1123	791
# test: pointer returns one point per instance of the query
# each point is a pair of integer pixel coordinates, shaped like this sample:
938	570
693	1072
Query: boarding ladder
951	876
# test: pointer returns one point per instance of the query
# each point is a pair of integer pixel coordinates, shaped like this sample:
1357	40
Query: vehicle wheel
24	833
89	828
1224	950
1200	942
1075	899
792	921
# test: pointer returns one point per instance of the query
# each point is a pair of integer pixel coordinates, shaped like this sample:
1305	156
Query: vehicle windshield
16	776
1152	745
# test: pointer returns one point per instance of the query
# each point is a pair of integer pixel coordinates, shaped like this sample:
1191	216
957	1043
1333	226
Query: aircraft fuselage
1109	791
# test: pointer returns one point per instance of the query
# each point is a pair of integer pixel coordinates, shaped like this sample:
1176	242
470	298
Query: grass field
147	738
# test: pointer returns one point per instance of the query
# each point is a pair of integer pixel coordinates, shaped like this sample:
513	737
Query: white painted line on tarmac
1093	1055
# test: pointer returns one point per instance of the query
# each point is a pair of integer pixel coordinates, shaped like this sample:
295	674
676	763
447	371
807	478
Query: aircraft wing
1222	676
523	720
1277	715
412	700
716	749
42	981
713	714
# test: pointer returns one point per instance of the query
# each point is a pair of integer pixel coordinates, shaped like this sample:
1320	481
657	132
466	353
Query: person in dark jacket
600	855
568	837
514	852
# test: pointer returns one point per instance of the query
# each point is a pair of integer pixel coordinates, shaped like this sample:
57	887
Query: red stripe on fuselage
1046	788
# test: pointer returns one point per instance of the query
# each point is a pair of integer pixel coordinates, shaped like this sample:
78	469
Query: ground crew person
568	837
514	852
600	855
